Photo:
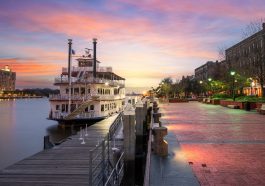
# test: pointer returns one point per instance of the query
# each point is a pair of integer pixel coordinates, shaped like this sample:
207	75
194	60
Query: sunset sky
144	41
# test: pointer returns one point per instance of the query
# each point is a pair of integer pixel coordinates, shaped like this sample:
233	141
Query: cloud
30	67
147	39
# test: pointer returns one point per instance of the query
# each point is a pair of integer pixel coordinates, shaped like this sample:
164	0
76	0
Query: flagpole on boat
69	73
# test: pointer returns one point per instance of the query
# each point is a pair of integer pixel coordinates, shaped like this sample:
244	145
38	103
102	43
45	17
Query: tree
165	87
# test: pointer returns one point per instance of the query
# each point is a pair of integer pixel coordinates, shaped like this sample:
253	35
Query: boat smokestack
95	57
69	58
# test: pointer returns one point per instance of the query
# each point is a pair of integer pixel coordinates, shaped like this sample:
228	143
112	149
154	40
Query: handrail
117	170
100	168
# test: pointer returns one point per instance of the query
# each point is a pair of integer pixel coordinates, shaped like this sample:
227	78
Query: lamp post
201	87
210	79
232	73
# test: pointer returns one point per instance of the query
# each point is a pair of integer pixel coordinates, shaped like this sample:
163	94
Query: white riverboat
89	93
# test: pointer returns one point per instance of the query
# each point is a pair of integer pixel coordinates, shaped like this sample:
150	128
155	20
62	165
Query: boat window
63	107
66	108
123	103
76	90
73	107
91	107
82	90
81	73
57	107
88	90
67	91
106	106
102	107
86	110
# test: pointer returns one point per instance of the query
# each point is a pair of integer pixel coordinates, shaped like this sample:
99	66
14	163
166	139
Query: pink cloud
30	67
112	29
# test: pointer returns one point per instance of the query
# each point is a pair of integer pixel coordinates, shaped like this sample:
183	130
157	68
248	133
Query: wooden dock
65	164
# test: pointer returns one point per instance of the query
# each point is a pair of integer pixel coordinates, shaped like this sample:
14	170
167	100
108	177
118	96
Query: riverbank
19	97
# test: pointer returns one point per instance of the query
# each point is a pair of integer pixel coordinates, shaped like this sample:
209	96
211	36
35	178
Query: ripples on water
23	125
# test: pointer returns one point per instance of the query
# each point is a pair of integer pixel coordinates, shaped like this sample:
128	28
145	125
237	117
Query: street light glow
232	73
209	79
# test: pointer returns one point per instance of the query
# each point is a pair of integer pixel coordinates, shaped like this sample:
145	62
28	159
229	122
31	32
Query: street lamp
232	73
201	87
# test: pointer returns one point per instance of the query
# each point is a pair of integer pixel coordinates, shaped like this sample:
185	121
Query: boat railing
89	114
112	97
120	83
85	97
66	97
62	115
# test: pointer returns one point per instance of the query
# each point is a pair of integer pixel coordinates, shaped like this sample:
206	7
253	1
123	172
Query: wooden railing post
129	145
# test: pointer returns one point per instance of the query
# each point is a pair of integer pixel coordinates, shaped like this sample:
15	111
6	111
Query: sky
144	41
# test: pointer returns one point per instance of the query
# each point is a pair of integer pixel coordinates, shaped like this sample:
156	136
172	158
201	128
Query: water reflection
58	133
23	125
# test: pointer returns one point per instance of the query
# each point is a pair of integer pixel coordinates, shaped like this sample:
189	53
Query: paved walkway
222	146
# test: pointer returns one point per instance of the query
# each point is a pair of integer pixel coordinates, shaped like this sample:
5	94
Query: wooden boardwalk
66	164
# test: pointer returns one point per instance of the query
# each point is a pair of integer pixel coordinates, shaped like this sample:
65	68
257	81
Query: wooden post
139	112
129	145
46	142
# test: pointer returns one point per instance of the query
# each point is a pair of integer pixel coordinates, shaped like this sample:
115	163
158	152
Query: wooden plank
66	164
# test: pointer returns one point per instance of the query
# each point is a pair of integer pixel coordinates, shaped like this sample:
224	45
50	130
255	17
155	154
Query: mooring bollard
129	144
160	146
156	117
155	109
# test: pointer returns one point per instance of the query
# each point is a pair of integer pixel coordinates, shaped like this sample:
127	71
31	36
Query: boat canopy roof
109	75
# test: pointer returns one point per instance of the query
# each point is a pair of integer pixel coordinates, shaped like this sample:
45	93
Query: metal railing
84	97
117	173
102	168
120	83
66	97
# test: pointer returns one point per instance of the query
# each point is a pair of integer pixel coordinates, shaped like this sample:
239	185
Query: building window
91	107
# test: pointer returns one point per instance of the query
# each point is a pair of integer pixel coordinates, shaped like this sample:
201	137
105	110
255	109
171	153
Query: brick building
7	79
208	70
247	58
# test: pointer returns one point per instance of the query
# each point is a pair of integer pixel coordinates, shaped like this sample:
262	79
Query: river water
23	125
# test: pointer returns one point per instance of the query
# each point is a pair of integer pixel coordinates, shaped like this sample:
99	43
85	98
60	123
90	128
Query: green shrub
250	99
221	96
